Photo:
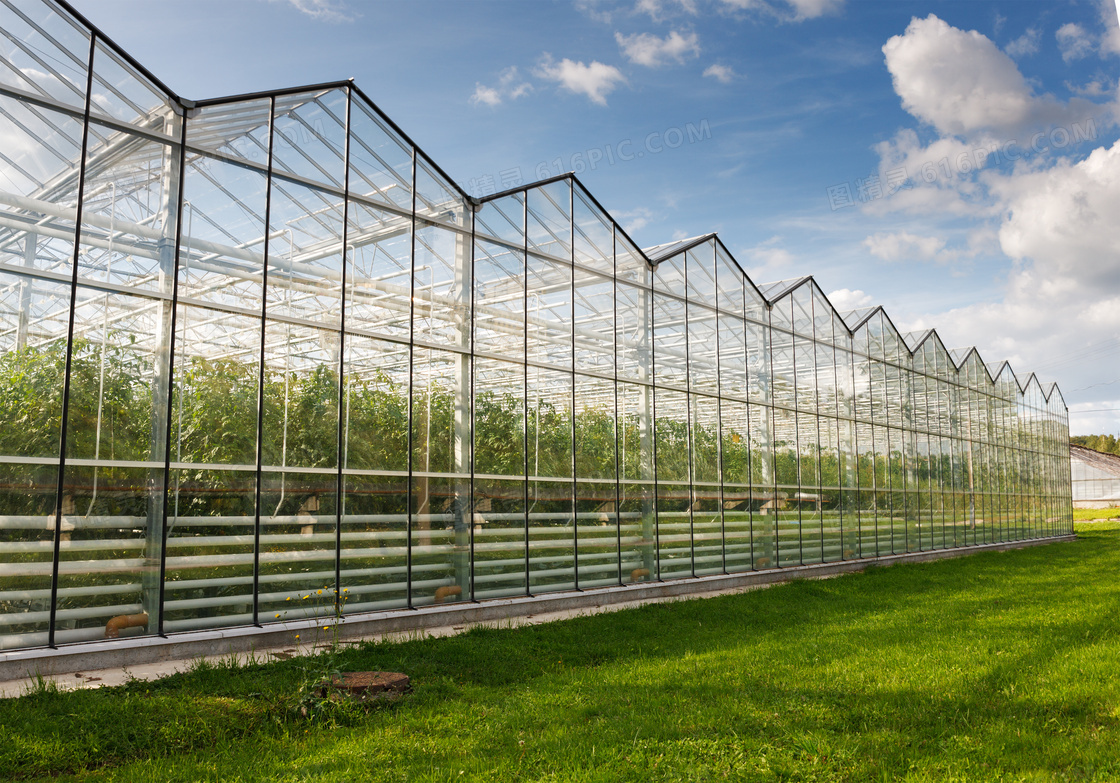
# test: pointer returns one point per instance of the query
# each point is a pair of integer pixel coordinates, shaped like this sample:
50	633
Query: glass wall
261	348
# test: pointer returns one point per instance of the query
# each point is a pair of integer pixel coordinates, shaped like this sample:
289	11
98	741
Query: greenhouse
260	345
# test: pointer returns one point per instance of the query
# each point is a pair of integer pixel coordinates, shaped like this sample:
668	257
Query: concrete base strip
112	662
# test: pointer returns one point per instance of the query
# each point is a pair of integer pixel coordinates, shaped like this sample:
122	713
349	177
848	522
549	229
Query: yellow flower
289	598
277	615
297	635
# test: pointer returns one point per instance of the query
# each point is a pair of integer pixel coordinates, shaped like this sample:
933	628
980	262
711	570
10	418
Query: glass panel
440	412
239	130
37	227
300	397
110	550
47	53
503	218
374	559
674	520
441	287
500	553
439	536
309	137
670	332
305	254
499	300
499	417
597	534
549	219
380	162
595	428
630	265
633	333
436	199
221	255
638	533
549	423
703	349
549	315
551	536
378	263
375	420
128	218
594	237
668	276
701	274
729	281
594	323
122	93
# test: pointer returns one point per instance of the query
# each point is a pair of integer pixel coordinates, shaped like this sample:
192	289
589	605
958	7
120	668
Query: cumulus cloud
846	300
1026	44
510	87
595	80
1074	42
649	50
721	73
961	83
904	246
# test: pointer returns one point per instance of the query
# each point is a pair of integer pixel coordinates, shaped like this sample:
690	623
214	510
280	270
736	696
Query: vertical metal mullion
411	387
719	431
572	336
618	467
468	513
653	388
340	497
797	425
171	367
525	378
65	419
688	425
771	412
261	367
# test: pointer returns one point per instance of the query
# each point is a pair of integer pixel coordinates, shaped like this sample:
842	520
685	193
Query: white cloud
649	50
1026	44
635	220
962	84
721	73
1110	41
846	299
658	10
510	87
1074	42
335	11
596	80
904	246
790	10
593	10
771	261
810	9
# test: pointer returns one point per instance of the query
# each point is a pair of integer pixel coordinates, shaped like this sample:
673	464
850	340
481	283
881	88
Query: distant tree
1106	443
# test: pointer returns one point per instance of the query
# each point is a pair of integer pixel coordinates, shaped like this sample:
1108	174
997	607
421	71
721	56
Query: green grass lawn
998	666
1089	514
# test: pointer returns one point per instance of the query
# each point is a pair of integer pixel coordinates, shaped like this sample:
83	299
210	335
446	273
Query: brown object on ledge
114	627
448	591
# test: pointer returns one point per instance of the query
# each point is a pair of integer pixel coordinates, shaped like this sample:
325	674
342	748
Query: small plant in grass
318	696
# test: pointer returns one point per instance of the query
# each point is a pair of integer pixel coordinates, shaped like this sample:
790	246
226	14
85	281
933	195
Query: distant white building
1096	478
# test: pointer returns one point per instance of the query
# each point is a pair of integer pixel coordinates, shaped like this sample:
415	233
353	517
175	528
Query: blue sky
956	162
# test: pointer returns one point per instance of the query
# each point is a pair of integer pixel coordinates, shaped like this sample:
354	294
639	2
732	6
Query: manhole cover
369	683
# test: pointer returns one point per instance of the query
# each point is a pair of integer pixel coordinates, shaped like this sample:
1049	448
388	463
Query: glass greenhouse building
257	345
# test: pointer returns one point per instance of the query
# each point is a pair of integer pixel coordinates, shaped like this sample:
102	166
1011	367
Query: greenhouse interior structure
261	345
